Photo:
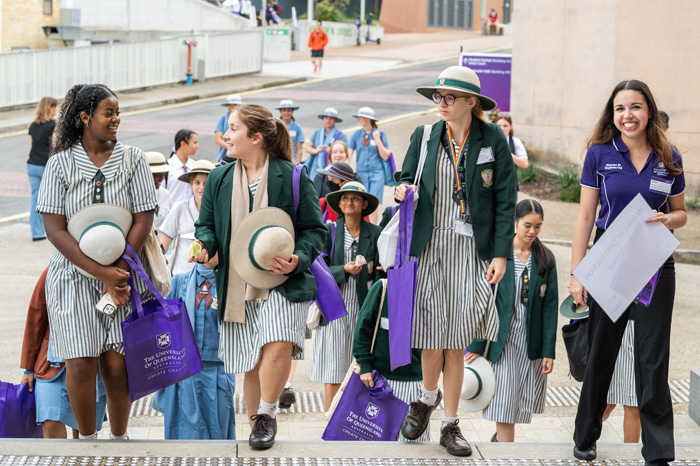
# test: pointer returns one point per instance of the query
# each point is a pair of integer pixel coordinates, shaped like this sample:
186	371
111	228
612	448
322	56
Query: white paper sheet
625	258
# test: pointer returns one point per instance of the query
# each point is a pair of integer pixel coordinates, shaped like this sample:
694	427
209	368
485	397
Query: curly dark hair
80	98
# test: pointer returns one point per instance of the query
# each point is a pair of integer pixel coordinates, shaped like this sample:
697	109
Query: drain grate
314	402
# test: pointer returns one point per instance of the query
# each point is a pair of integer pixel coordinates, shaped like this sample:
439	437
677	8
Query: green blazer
542	308
490	189
213	228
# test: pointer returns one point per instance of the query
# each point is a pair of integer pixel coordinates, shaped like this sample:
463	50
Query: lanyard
456	158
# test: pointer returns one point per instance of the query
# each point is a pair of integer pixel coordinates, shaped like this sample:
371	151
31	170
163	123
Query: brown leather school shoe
451	437
264	430
418	417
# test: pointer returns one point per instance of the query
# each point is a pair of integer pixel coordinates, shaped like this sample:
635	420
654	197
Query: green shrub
529	174
568	180
331	10
691	201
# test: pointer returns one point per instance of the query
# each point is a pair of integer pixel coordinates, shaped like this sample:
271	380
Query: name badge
463	228
373	142
660	185
293	133
384	323
485	156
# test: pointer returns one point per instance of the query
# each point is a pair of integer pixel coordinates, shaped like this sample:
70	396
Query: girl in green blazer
527	302
354	266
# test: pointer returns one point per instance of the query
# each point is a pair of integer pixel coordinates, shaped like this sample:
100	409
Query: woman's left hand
547	365
660	217
283	267
497	268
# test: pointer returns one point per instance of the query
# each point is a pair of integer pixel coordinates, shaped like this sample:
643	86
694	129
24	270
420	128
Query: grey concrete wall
694	405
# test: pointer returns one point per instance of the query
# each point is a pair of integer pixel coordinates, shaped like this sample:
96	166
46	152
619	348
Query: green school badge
543	290
487	176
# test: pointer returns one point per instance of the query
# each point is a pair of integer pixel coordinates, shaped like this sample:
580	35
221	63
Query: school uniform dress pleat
454	301
521	387
333	342
623	390
78	329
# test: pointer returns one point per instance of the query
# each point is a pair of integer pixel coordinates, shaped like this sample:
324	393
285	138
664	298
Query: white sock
447	420
88	437
288	385
119	437
267	408
429	397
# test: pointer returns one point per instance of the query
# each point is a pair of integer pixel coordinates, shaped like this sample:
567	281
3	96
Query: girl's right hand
29	379
470	357
577	290
115	283
400	192
366	379
352	268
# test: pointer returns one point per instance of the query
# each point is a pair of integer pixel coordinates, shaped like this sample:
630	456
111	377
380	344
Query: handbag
328	297
389	166
402	289
18	412
386	244
363	413
575	335
159	344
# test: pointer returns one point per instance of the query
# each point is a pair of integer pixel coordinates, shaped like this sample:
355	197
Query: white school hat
479	385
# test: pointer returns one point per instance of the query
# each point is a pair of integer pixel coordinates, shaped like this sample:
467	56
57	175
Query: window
48	7
450	14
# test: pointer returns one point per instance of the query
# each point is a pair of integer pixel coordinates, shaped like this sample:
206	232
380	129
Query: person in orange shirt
317	42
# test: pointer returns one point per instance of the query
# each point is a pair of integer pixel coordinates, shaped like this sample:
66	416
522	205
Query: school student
319	144
296	132
182	161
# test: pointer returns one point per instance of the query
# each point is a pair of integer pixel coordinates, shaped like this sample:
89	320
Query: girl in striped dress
527	302
354	239
89	166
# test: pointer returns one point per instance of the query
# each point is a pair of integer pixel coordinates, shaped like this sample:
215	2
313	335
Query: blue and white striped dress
521	387
275	319
623	390
333	342
78	329
454	301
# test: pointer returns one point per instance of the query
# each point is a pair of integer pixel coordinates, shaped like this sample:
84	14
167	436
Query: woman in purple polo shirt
628	154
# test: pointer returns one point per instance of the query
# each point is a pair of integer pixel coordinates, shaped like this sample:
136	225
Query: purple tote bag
159	344
18	412
367	414
401	289
328	297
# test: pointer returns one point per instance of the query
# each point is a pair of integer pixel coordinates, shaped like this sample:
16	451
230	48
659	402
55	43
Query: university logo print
163	340
372	411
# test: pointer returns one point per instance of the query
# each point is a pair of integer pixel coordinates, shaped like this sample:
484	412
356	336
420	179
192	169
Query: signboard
493	70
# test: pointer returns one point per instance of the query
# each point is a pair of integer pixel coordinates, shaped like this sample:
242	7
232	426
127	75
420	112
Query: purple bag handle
137	267
381	387
393	211
405	230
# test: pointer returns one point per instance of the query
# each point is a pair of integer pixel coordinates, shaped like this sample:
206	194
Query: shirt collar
619	145
88	170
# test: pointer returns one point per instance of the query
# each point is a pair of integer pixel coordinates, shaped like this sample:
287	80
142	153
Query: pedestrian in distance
517	149
160	169
263	297
462	238
40	132
372	149
319	144
352	243
222	124
182	160
318	39
527	303
91	176
629	154
296	132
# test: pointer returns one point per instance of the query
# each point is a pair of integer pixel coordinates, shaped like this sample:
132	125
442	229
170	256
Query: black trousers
652	327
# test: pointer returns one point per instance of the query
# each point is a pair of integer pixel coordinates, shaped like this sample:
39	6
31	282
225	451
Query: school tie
205	294
526	288
98	196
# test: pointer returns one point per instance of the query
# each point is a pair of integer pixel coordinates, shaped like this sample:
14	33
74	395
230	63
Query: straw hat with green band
478	385
333	199
200	166
460	79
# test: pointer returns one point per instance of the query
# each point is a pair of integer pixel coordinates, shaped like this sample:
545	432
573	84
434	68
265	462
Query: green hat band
96	224
251	246
478	379
457	83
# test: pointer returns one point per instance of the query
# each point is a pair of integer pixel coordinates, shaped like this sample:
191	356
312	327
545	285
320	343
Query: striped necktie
98	194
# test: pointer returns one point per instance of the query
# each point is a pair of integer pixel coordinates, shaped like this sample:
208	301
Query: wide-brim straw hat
331	112
459	79
397	176
287	103
333	199
157	163
200	166
339	170
262	235
100	230
365	112
479	385
571	310
232	99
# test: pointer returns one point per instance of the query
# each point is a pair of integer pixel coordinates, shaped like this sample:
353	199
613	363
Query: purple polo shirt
608	167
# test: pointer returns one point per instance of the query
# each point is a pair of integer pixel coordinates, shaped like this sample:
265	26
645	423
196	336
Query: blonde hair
43	110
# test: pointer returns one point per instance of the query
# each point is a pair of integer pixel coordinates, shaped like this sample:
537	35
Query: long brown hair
275	136
43	110
510	122
605	129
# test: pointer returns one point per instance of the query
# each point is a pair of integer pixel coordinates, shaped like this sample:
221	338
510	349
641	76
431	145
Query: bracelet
28	372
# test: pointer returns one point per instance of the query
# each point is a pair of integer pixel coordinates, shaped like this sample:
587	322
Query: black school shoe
264	430
287	398
588	454
418	418
452	438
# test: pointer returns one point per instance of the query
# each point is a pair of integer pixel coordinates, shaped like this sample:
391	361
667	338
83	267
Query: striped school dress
454	301
333	342
520	385
78	329
623	390
409	391
276	319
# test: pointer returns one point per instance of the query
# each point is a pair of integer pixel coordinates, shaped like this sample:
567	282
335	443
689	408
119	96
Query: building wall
411	15
22	21
568	55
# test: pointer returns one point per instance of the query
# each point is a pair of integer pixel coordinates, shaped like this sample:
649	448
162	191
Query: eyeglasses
449	98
